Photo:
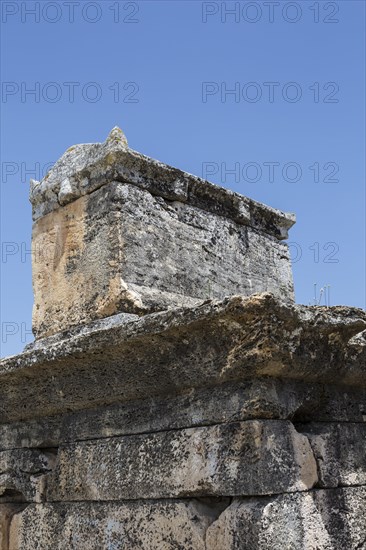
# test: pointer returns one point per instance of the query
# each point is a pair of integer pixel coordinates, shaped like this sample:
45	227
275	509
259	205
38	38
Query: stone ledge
230	402
169	352
86	167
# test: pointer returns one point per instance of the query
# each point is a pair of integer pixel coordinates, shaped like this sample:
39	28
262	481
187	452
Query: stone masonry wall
151	416
232	425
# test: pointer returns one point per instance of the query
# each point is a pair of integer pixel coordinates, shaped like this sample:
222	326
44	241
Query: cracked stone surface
86	167
170	402
116	232
23	474
330	519
163	525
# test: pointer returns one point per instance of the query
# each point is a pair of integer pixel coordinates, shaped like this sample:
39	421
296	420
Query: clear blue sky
297	73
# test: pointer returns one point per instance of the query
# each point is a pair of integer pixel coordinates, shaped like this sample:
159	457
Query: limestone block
248	458
122	249
332	519
164	525
340	452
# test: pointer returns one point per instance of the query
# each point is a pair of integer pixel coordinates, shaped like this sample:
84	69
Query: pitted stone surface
164	525
317	520
332	519
117	232
252	399
175	397
170	352
248	458
23	474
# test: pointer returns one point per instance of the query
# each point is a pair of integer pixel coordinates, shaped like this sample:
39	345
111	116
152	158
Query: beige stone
7	512
122	249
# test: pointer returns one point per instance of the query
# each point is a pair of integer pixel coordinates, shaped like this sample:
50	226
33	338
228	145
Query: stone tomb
175	397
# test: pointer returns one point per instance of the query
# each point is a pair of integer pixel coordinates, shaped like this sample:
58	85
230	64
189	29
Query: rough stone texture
23	474
340	451
6	513
164	525
248	458
170	352
121	249
231	402
86	167
332	519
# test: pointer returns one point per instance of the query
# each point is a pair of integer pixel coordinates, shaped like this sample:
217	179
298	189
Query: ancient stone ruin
175	396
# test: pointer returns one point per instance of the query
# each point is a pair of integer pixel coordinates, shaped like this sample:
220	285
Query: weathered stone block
340	452
332	519
241	408
122	249
164	525
122	246
248	458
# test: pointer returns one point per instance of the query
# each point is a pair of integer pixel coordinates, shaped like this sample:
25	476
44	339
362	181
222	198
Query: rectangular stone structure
240	458
115	231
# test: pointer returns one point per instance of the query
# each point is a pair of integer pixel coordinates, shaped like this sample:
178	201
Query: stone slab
87	167
121	249
332	519
247	458
238	339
